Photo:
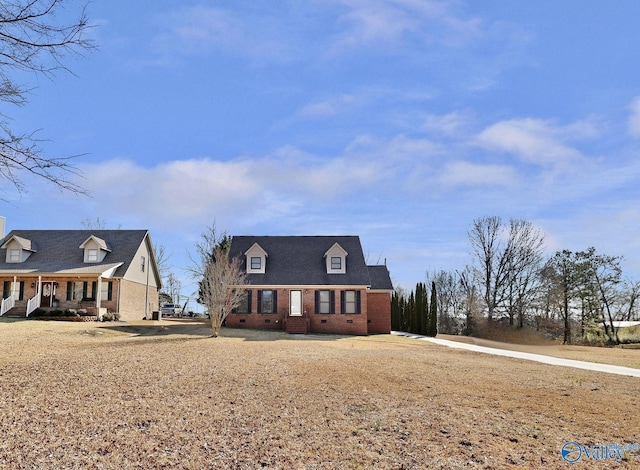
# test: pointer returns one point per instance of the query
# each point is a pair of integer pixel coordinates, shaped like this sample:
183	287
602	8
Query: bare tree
173	288
630	296
490	267
97	224
220	278
604	273
523	253
506	261
565	274
32	41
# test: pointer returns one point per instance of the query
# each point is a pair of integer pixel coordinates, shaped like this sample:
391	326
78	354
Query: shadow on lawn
184	327
201	328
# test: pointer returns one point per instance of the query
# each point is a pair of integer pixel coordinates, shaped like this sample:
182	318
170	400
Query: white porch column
99	296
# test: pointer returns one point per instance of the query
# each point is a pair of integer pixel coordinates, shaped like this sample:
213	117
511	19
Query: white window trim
14	255
256	251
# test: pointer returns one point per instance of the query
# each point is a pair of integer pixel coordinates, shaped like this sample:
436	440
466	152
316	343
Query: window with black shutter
350	301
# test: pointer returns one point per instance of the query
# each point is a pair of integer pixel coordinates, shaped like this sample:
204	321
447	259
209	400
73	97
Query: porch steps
296	326
16	312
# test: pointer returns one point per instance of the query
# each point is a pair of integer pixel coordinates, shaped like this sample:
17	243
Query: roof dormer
256	259
18	249
95	249
336	259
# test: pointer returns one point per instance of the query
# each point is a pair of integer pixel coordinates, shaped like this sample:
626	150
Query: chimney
2	223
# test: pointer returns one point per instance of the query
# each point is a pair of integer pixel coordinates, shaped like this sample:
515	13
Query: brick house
96	270
311	284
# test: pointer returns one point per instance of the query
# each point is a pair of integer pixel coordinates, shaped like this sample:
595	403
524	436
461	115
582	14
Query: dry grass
166	395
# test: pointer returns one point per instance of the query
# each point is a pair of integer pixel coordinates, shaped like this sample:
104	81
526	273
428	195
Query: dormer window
18	249
92	256
95	249
14	256
256	259
336	258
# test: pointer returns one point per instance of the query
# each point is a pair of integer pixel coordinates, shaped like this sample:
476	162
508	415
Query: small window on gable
143	262
14	255
256	260
95	249
336	258
92	256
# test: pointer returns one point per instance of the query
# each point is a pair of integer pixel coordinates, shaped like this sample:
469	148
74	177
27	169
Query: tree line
415	313
581	294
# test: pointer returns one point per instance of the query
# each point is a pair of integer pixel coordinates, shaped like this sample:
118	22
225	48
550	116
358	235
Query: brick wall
132	300
336	323
261	321
379	314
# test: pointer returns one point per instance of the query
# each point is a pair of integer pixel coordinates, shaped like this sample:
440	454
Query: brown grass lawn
166	395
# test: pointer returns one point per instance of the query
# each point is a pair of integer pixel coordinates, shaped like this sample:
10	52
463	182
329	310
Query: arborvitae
398	302
432	327
420	309
411	314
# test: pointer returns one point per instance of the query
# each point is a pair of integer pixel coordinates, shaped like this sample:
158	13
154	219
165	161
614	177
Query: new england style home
311	284
94	270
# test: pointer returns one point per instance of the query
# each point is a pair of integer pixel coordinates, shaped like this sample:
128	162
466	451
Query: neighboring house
311	284
96	270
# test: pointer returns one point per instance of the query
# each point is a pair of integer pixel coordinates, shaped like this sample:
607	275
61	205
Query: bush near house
71	315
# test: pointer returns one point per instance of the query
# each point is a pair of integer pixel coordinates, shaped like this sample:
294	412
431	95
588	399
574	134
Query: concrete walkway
556	361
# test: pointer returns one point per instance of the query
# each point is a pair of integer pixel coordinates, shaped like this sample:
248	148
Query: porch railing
7	304
33	303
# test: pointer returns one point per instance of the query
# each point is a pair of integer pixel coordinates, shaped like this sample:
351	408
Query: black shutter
21	295
317	301
341	301
358	301
249	301
234	309
94	287
275	302
69	289
332	301
5	289
259	301
84	290
110	291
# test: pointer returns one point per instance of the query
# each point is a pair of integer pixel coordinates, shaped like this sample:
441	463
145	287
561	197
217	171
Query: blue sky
400	121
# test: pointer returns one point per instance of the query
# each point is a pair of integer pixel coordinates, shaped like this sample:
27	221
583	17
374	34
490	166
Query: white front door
295	303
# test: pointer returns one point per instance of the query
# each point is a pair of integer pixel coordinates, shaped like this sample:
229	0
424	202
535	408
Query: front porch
22	295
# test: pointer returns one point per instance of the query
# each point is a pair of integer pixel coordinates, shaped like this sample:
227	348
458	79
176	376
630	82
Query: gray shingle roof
299	260
380	279
59	251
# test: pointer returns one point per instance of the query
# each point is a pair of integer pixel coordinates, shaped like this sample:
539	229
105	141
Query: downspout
146	293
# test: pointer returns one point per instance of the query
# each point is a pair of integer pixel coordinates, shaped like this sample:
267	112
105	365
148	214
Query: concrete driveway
556	361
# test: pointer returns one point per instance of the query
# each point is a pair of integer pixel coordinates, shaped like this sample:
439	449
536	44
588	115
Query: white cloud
384	23
534	141
452	124
333	106
634	118
204	28
460	174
